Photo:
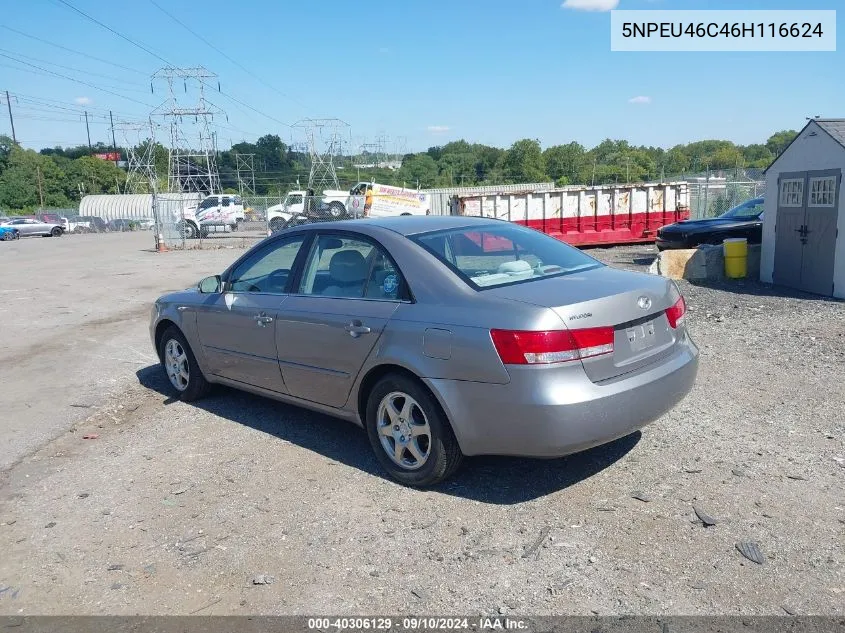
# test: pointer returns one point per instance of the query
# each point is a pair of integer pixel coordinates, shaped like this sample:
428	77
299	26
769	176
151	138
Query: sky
418	72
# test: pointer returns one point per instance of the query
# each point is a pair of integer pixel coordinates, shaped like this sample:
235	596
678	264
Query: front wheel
56	232
409	432
181	366
8	236
189	231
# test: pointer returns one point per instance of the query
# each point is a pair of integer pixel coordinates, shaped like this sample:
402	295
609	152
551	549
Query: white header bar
724	30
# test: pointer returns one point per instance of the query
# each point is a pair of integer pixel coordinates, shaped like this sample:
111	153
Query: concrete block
674	263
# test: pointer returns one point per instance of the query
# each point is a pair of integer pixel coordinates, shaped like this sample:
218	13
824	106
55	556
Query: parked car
28	227
146	224
441	336
8	233
744	220
78	225
96	223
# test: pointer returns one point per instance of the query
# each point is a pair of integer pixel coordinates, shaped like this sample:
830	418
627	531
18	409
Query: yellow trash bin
736	257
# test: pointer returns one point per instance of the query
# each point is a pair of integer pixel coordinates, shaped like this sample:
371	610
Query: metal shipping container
585	216
441	198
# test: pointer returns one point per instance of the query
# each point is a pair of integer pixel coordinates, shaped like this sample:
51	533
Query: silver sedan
28	227
441	336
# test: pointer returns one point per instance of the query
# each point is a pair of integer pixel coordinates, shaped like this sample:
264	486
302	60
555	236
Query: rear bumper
557	411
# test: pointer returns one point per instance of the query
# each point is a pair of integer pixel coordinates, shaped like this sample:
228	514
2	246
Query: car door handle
262	319
356	329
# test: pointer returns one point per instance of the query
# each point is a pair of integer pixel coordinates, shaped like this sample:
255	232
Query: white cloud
590	5
641	100
438	129
83	101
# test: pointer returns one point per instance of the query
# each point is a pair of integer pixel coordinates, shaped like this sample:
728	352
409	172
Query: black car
745	220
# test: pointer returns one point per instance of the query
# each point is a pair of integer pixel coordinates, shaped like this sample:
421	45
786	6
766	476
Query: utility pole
113	140
11	120
88	130
40	188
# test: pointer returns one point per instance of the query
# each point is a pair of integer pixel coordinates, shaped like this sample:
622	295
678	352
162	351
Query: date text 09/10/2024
484	623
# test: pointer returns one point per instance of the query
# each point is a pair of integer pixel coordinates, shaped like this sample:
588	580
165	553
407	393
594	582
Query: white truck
216	213
299	207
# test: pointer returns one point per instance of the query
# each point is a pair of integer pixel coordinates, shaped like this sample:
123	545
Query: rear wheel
181	366
56	232
277	224
336	210
409	432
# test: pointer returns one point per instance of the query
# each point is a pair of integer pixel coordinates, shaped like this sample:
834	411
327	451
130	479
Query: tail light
553	346
676	313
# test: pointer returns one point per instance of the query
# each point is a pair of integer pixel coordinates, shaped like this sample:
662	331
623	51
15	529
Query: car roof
407	224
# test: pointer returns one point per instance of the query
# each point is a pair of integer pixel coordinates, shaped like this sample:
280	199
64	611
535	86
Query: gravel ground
240	505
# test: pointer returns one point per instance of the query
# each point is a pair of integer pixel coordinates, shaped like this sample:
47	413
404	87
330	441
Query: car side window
268	270
226	201
353	268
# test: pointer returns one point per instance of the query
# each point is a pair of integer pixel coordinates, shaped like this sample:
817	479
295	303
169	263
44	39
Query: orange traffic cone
160	245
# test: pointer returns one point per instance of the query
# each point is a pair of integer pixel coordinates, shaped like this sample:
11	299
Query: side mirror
211	285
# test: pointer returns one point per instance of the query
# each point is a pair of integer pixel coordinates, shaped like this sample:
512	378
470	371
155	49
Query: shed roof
835	128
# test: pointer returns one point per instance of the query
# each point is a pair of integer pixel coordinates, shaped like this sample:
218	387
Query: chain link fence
710	197
181	226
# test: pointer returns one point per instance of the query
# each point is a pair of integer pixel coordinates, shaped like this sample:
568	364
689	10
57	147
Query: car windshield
495	255
749	209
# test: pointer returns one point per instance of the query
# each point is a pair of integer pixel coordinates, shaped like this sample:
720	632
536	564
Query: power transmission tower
323	138
192	162
383	141
400	147
245	168
139	142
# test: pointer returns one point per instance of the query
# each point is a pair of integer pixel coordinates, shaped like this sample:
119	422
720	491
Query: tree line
58	177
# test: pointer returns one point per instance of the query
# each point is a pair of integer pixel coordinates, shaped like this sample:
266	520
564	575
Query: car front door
26	227
237	326
326	329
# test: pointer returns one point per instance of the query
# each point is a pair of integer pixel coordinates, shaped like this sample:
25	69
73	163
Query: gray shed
803	244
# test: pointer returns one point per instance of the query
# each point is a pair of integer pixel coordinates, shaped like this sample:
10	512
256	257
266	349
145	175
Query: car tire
278	224
442	455
336	210
56	232
8	236
176	354
188	230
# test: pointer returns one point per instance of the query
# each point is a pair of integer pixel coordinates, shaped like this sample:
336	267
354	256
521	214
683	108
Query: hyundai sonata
441	336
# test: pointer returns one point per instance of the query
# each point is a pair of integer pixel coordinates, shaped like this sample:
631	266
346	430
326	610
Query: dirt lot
179	508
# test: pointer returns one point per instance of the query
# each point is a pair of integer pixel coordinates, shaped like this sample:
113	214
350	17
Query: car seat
348	272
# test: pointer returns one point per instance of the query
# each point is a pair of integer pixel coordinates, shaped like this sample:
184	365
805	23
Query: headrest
348	266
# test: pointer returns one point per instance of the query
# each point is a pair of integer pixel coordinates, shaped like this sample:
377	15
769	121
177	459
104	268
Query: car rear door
347	292
237	327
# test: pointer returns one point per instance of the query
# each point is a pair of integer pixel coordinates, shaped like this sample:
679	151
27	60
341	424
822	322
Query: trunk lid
634	304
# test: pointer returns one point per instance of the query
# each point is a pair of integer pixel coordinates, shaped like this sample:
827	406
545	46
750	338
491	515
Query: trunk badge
644	303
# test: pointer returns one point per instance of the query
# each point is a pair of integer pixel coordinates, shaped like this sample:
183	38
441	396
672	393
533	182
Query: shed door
820	231
789	250
805	239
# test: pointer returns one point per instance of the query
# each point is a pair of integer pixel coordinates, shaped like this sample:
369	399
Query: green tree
564	162
419	169
524	162
26	173
778	141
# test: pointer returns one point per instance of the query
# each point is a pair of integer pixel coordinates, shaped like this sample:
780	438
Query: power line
79	81
71	50
108	28
71	68
157	56
213	47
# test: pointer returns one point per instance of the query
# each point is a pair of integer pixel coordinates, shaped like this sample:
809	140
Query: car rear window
495	255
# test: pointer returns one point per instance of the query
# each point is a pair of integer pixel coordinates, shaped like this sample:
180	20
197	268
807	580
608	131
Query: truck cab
216	213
